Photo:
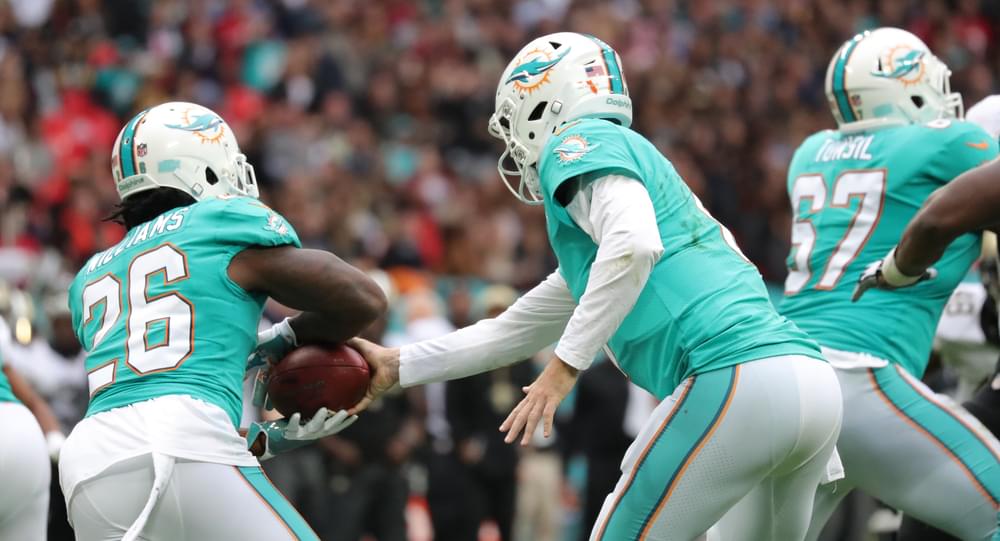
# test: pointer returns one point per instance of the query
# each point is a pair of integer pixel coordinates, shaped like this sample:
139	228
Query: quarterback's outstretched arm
617	213
533	322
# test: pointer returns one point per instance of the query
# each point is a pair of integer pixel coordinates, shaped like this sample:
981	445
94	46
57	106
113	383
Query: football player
967	205
749	408
25	467
168	318
900	137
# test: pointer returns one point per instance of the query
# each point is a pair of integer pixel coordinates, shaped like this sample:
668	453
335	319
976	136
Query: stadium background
366	121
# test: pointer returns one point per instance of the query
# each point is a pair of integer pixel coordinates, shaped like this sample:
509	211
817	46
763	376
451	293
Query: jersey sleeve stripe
839	82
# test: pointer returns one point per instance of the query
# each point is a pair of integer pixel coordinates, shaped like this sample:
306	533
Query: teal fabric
917	159
705	306
951	432
6	394
224	327
282	508
699	409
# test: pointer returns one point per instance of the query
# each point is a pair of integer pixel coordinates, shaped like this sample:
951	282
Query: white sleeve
533	322
618	214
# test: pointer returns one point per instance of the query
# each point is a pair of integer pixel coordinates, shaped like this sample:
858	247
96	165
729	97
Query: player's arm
969	203
533	322
54	437
618	214
337	300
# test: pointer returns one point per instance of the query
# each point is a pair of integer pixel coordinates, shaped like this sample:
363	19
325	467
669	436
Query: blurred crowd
366	121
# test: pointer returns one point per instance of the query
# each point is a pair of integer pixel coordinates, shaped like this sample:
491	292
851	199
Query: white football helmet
183	146
986	114
552	80
888	76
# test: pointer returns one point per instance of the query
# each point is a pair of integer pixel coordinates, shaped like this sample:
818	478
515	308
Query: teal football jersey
158	314
705	306
852	196
6	395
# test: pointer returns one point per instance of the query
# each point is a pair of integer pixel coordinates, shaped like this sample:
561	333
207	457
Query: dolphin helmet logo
903	64
532	70
206	126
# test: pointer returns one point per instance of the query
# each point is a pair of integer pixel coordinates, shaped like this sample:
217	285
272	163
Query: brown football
311	377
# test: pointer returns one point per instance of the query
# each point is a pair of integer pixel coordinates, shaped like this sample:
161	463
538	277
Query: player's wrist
285	329
392	364
572	359
266	439
893	276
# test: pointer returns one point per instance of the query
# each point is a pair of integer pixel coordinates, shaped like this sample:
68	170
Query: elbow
646	252
372	303
935	227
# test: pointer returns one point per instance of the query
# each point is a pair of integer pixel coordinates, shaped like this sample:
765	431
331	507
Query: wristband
275	442
284	328
892	275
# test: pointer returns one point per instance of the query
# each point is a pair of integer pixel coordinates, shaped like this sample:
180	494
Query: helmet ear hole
918	101
537	112
211	177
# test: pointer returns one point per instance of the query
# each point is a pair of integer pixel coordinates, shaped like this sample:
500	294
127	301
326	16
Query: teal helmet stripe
614	70
125	157
839	76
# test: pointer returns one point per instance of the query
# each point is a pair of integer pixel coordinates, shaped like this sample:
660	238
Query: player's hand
384	366
324	423
284	435
272	346
883	274
543	397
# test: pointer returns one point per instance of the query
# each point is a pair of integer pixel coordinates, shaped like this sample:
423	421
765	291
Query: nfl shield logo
141	150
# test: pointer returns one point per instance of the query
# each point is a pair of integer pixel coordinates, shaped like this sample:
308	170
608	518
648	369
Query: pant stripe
930	398
908	419
297	527
642	457
707	435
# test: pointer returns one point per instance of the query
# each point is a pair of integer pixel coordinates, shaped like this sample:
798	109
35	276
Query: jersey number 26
144	313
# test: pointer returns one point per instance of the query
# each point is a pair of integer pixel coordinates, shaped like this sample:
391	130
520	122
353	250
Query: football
311	377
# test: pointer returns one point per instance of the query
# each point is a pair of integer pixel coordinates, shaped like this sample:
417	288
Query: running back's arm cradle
31	400
337	300
968	203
